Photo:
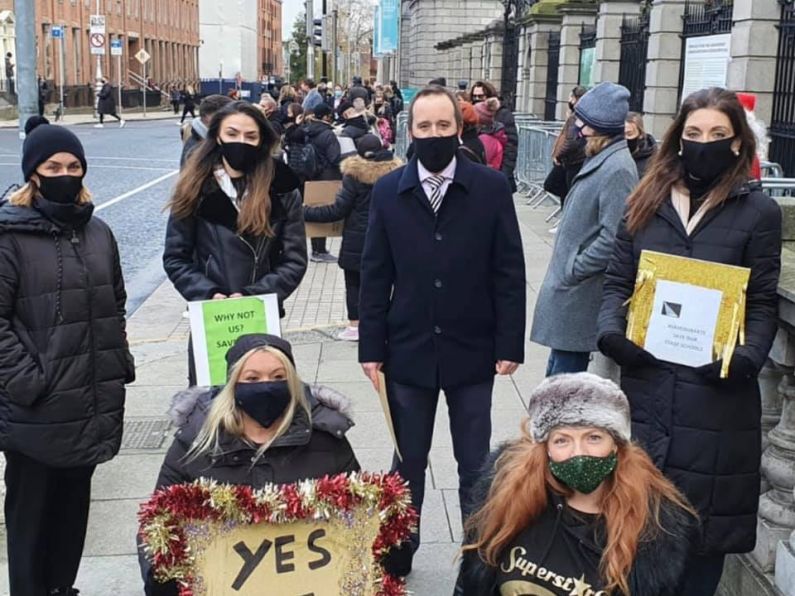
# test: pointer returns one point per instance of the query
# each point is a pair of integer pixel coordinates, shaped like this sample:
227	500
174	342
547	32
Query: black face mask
571	106
478	99
706	162
632	144
61	189
264	402
241	156
436	153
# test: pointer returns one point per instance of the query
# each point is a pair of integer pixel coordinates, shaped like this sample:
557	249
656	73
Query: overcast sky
290	10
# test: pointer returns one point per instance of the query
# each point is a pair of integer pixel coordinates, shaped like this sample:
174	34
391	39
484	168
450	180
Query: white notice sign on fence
706	62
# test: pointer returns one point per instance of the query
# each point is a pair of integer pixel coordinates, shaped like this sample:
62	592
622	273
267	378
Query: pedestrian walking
483	90
359	173
65	360
695	201
236	225
107	105
569	298
10	73
574	507
188	99
642	145
441	228
265	426
173	95
42	95
197	129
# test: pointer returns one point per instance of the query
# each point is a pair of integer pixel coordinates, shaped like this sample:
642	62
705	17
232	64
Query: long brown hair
666	169
254	216
519	494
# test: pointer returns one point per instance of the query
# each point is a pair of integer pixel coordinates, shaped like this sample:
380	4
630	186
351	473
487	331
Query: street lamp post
98	76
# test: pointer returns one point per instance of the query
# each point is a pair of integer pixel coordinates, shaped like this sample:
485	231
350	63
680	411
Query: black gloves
741	368
625	352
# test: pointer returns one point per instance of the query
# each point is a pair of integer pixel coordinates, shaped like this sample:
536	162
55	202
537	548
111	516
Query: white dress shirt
424	174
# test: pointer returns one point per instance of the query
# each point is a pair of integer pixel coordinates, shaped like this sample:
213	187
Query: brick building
167	29
270	38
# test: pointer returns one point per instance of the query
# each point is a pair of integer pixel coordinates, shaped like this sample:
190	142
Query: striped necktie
435	183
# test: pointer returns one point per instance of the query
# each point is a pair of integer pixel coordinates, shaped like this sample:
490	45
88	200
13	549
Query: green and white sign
587	65
215	325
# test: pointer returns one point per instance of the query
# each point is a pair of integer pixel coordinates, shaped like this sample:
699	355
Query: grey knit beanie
580	399
604	108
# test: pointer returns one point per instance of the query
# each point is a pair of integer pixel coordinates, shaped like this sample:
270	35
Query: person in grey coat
568	302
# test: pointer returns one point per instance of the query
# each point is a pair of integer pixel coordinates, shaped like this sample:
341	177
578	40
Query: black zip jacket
205	255
64	358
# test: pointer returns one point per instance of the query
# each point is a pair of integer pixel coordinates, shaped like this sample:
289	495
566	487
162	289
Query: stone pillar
574	17
522	71
662	65
753	51
538	29
777	506
477	59
494	39
608	37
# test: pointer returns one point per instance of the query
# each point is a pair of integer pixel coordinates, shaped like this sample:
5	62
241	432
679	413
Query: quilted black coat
64	358
705	435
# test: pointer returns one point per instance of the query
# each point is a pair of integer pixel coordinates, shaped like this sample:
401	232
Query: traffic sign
56	32
115	47
97	43
142	56
97	23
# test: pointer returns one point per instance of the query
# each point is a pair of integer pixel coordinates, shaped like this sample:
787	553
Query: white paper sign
215	325
706	62
682	324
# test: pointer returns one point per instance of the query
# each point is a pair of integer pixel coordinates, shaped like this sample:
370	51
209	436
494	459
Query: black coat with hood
554	540
505	117
705	435
353	205
106	103
644	149
321	135
205	255
64	358
307	450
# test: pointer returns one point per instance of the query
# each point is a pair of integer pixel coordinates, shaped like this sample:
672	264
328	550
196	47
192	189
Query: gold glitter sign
325	558
730	281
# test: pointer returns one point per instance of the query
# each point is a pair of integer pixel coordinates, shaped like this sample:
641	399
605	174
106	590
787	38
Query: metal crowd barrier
779	187
771	169
534	162
401	135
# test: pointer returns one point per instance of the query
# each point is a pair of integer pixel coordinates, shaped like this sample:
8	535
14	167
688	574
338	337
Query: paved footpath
153	113
158	335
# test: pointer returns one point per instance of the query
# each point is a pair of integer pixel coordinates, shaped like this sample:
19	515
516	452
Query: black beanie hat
44	140
246	343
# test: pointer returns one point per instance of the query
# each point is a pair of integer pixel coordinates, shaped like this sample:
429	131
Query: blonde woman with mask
263	427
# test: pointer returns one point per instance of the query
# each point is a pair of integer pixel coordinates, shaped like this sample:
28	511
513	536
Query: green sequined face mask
584	473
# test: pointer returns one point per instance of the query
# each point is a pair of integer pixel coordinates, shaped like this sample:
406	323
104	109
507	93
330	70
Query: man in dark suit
442	302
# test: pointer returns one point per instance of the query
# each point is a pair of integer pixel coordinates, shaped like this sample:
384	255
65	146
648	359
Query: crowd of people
604	482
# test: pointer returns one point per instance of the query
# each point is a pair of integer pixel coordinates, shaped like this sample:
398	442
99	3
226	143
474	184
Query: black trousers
46	513
185	111
414	413
319	245
353	281
113	113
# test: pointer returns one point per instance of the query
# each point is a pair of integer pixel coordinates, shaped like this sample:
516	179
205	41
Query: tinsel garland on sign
163	519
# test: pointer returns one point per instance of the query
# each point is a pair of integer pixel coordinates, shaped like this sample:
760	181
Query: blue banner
387	27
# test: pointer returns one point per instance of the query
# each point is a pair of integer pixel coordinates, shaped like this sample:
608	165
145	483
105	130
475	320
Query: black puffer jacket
505	117
353	205
705	435
64	358
205	255
647	578
304	451
327	148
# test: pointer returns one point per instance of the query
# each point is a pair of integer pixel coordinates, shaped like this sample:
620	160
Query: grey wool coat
569	299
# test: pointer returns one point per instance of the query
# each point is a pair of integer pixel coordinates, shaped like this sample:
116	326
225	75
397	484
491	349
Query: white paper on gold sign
682	324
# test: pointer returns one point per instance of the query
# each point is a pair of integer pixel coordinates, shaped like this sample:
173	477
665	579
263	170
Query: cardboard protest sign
382	396
323	537
216	324
322	193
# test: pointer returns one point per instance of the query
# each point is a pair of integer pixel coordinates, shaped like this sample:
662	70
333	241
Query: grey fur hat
580	399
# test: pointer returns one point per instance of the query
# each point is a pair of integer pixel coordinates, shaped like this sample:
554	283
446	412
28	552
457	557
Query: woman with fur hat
359	173
265	426
492	132
64	359
574	507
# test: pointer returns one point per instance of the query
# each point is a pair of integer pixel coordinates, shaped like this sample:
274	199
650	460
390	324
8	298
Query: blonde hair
23	197
596	144
224	415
